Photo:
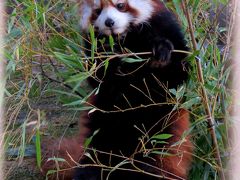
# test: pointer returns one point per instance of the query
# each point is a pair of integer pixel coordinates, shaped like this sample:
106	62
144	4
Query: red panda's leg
69	149
178	163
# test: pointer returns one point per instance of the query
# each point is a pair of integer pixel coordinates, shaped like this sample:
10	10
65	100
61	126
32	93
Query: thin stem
210	119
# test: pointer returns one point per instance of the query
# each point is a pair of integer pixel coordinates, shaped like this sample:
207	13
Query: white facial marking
121	21
145	9
118	1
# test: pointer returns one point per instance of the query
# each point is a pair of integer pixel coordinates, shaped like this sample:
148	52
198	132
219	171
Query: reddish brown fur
133	11
128	8
106	3
158	6
70	149
178	164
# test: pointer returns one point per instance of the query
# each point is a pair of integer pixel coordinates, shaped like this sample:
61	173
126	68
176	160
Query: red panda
132	105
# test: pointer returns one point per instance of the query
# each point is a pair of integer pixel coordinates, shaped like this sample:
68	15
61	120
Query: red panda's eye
121	6
98	11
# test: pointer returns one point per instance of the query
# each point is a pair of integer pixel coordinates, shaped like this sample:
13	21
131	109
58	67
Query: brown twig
210	119
59	82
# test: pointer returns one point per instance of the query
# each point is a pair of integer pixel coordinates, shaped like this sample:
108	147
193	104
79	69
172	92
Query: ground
57	121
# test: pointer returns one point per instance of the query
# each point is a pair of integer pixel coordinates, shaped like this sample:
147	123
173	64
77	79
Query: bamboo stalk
210	119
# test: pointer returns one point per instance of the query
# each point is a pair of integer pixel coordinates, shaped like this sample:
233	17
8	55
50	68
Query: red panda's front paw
162	50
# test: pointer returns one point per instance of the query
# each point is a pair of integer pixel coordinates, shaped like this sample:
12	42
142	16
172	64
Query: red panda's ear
158	5
85	13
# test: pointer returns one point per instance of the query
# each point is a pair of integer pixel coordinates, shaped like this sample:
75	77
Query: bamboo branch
210	119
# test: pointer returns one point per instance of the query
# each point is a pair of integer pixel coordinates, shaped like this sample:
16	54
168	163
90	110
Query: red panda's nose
109	22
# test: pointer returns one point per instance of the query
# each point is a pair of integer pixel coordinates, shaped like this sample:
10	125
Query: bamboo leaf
161	136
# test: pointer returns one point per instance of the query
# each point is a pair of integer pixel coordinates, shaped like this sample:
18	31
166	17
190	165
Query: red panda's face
114	16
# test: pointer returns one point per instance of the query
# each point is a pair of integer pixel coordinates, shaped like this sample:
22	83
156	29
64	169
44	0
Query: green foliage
45	57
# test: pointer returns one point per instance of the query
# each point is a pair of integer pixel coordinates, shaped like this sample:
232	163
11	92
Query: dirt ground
59	121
